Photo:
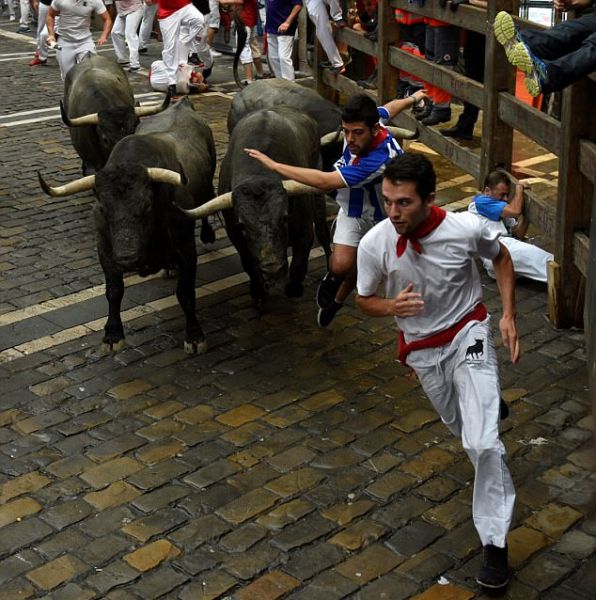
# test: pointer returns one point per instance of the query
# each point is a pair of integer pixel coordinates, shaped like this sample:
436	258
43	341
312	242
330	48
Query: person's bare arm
320	179
394	107
107	27
406	304
50	22
516	207
291	18
505	276
479	3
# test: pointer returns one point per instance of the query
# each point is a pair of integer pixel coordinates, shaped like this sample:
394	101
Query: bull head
93	118
396	132
83	184
223	201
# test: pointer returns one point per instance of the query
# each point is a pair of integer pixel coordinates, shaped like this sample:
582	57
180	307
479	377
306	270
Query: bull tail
240	43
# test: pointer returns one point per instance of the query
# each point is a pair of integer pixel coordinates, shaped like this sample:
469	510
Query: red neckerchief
379	138
434	219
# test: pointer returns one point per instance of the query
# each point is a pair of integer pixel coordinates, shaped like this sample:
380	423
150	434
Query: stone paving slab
287	461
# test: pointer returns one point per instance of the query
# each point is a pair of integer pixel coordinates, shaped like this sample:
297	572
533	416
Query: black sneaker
143	50
503	410
494	573
326	315
437	115
133	69
457	132
327	290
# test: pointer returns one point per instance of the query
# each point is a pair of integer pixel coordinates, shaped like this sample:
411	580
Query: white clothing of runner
528	260
124	32
460	378
74	30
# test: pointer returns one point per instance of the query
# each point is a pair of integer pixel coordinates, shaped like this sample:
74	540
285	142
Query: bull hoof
294	290
195	347
110	347
168	274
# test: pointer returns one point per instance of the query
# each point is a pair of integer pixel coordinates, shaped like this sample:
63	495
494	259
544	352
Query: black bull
262	218
168	163
99	108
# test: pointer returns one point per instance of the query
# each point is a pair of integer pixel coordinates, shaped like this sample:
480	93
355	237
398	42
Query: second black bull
263	214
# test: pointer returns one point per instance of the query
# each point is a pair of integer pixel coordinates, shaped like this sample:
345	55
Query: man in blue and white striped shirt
356	181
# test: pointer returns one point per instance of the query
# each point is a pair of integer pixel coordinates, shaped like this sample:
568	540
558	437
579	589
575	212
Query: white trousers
279	54
10	4
71	53
125	28
178	32
461	380
149	12
528	260
318	11
25	13
42	47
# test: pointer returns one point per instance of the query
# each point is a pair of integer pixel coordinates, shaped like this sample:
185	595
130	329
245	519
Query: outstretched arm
394	107
320	179
505	275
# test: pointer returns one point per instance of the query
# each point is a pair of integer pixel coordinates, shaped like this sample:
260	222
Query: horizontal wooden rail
587	159
465	159
357	41
466	16
464	88
541	213
581	252
541	128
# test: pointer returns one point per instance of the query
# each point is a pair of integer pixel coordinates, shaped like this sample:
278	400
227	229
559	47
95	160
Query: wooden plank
587	159
466	16
357	40
343	84
574	205
497	137
464	88
538	126
541	212
590	310
581	252
554	289
388	35
459	155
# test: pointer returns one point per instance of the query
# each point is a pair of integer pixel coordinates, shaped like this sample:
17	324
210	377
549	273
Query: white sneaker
215	53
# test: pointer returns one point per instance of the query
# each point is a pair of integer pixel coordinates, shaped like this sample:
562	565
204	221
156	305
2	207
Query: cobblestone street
288	461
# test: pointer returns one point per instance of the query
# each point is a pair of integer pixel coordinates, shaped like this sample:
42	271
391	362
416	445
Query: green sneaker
505	32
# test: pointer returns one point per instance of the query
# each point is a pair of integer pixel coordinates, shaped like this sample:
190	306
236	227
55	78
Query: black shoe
194	59
172	91
423	113
457	132
207	72
494	573
326	315
133	69
438	115
327	290
142	50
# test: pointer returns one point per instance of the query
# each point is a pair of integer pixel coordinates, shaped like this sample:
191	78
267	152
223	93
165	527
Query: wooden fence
568	220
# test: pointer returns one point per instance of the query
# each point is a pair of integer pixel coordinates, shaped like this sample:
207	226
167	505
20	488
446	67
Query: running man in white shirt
74	30
124	33
425	256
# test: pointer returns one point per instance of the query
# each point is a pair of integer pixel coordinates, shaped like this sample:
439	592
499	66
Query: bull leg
194	342
113	339
207	233
301	241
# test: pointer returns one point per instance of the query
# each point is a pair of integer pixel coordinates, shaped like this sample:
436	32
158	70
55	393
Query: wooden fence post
574	204
388	34
497	137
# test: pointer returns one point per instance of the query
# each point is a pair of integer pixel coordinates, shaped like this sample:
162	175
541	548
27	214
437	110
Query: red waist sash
479	313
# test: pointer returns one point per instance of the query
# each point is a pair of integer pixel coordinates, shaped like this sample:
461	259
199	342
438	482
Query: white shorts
212	18
350	230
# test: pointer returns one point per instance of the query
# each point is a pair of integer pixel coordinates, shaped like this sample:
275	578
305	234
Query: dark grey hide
99	85
268	93
264	221
139	227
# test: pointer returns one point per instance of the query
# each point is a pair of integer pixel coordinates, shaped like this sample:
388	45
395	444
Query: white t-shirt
75	18
445	273
127	7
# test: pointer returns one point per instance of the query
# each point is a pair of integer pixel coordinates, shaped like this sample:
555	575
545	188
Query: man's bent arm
320	179
52	14
406	304
505	276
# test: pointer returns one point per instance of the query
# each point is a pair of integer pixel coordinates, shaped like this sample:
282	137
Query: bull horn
403	134
165	176
220	203
79	185
330	138
91	119
153	109
294	188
